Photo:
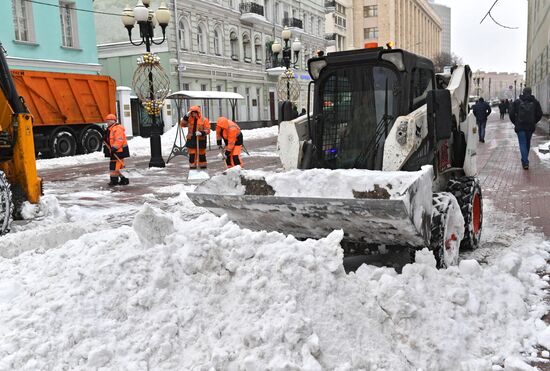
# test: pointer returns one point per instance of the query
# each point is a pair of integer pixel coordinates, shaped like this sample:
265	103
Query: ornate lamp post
288	89
151	83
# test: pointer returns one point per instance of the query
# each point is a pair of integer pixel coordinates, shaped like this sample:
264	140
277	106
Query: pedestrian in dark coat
482	110
502	108
525	112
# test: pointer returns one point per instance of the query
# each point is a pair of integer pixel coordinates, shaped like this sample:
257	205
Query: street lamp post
147	21
515	89
288	62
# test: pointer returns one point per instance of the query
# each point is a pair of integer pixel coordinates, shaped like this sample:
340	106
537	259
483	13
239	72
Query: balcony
252	13
293	23
330	6
331	39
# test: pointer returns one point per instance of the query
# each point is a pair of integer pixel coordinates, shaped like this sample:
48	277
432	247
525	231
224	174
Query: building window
217	42
258	50
183	32
370	11
247	55
340	8
234	46
22	20
370	33
68	25
201	39
340	21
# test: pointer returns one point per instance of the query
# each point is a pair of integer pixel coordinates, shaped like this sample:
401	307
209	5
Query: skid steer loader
383	110
18	179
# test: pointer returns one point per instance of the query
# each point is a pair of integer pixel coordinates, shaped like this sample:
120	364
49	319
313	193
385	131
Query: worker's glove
198	133
227	154
219	142
114	149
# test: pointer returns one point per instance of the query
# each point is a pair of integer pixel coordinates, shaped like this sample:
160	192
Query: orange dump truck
68	109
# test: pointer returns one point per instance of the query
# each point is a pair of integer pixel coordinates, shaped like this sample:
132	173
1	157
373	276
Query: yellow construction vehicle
18	179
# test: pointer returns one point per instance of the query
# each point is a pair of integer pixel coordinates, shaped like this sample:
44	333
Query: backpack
526	112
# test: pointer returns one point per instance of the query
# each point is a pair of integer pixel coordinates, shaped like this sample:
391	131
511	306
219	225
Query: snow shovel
125	172
197	175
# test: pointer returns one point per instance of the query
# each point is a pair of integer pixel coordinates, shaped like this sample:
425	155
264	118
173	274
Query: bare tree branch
494	20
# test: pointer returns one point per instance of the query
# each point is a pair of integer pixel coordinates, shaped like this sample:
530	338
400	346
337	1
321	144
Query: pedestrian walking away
525	113
482	110
197	135
502	108
231	134
116	148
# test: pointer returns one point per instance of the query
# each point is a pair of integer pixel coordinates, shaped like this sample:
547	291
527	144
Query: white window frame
25	21
202	39
218	41
68	8
183	33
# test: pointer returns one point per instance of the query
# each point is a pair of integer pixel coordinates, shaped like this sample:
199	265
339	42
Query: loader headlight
401	133
315	65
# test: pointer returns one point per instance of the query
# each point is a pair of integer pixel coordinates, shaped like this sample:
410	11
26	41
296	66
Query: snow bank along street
175	287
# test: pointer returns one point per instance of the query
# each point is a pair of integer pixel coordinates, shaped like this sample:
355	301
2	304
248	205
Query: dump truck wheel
63	144
92	140
445	239
468	194
6	205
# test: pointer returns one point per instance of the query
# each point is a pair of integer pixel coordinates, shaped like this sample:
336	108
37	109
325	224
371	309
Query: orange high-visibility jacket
117	137
199	124
230	132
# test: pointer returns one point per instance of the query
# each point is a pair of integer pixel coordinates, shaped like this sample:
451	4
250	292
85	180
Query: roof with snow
195	94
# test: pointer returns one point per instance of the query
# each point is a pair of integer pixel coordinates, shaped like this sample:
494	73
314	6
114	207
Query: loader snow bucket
392	208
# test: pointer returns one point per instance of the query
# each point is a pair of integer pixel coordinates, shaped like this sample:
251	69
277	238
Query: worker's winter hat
527	91
222	122
195	109
110	117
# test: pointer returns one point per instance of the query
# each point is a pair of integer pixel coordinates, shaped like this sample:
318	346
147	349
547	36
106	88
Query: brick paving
503	180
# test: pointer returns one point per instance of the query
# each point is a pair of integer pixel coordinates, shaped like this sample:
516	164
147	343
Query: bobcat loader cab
384	111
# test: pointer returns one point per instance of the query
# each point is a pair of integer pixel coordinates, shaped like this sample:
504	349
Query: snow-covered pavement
156	283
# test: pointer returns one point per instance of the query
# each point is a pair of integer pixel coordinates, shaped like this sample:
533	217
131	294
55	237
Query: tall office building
444	13
411	24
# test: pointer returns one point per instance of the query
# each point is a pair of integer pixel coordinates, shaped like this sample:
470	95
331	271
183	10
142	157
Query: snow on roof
195	94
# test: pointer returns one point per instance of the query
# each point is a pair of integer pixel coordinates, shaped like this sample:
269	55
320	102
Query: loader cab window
422	82
357	107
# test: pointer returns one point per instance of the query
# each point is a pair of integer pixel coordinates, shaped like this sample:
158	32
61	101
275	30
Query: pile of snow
141	147
323	183
202	293
543	151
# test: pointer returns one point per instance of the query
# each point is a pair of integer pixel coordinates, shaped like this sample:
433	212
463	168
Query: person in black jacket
502	108
482	110
524	113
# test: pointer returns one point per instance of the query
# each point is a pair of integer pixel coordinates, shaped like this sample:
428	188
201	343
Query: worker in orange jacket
116	147
231	134
199	128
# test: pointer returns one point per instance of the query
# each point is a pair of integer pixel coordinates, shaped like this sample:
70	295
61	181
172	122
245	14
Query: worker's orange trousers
202	158
234	158
115	165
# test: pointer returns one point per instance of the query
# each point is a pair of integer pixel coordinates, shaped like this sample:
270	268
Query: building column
125	114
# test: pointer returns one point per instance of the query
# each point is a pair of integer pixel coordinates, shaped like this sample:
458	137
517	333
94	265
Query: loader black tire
468	194
6	205
445	252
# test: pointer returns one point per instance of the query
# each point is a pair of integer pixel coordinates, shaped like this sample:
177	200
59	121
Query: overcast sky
487	46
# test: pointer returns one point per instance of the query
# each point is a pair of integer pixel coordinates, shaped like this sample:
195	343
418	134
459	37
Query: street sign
181	67
510	87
